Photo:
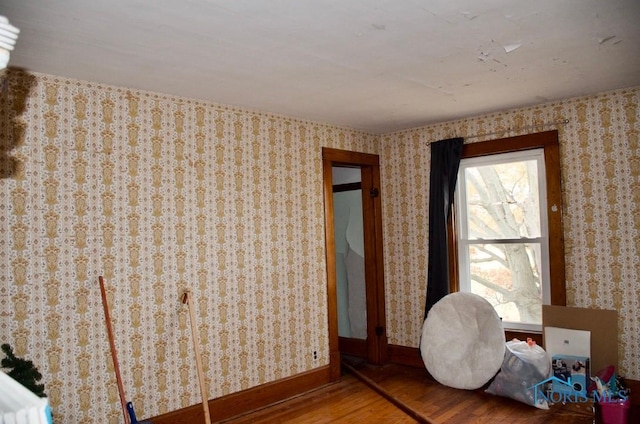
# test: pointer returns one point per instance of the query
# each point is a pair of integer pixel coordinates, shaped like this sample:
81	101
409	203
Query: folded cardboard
602	324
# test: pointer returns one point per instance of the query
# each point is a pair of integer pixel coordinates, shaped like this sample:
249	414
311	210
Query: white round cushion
462	341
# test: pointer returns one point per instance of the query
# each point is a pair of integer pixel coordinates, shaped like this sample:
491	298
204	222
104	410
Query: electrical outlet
315	354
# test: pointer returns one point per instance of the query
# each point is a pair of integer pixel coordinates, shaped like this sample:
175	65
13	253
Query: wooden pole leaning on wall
186	298
114	355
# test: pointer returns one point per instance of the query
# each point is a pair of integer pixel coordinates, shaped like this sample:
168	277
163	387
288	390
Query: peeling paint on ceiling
373	65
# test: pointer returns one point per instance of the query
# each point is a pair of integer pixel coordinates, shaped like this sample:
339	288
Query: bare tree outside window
502	233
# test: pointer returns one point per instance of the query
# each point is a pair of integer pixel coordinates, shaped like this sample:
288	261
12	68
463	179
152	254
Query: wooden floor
352	401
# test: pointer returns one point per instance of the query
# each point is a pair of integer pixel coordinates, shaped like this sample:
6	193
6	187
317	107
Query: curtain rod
548	124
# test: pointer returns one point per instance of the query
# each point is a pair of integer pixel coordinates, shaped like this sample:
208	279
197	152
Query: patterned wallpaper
600	159
158	194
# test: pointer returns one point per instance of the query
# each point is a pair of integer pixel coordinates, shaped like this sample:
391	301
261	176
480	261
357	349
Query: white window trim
461	221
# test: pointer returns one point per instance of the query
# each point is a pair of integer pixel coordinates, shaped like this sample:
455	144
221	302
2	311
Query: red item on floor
615	411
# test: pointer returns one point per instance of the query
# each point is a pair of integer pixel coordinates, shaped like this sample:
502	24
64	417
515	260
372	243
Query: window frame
548	142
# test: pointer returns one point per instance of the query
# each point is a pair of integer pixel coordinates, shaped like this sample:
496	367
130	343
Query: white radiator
18	405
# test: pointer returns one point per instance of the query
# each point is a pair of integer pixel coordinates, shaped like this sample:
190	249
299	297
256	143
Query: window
508	227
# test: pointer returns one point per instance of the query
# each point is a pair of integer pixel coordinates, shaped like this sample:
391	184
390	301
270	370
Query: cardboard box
603	325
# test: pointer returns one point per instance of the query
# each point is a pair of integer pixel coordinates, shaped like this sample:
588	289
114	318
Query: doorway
368	341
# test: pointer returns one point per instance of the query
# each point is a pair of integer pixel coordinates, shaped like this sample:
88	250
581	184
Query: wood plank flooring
348	401
352	401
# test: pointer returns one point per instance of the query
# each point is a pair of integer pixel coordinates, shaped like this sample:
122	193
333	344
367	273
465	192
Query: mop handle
196	347
114	356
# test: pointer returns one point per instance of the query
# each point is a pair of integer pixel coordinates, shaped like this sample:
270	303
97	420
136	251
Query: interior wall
159	194
600	160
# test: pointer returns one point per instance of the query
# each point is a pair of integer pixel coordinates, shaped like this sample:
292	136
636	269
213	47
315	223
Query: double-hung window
508	227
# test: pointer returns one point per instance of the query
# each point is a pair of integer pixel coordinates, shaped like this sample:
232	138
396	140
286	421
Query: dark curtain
445	161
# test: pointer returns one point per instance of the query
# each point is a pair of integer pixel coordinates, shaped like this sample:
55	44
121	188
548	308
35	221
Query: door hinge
374	192
379	330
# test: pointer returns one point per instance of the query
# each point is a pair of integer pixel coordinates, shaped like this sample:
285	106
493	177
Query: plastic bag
525	365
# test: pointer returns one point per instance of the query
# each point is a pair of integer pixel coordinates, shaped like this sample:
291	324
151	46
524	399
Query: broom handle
196	348
114	356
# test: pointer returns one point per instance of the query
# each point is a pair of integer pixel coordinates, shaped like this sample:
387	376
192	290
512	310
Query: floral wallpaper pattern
600	160
160	193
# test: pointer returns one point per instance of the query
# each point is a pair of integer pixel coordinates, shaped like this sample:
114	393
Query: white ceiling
373	65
